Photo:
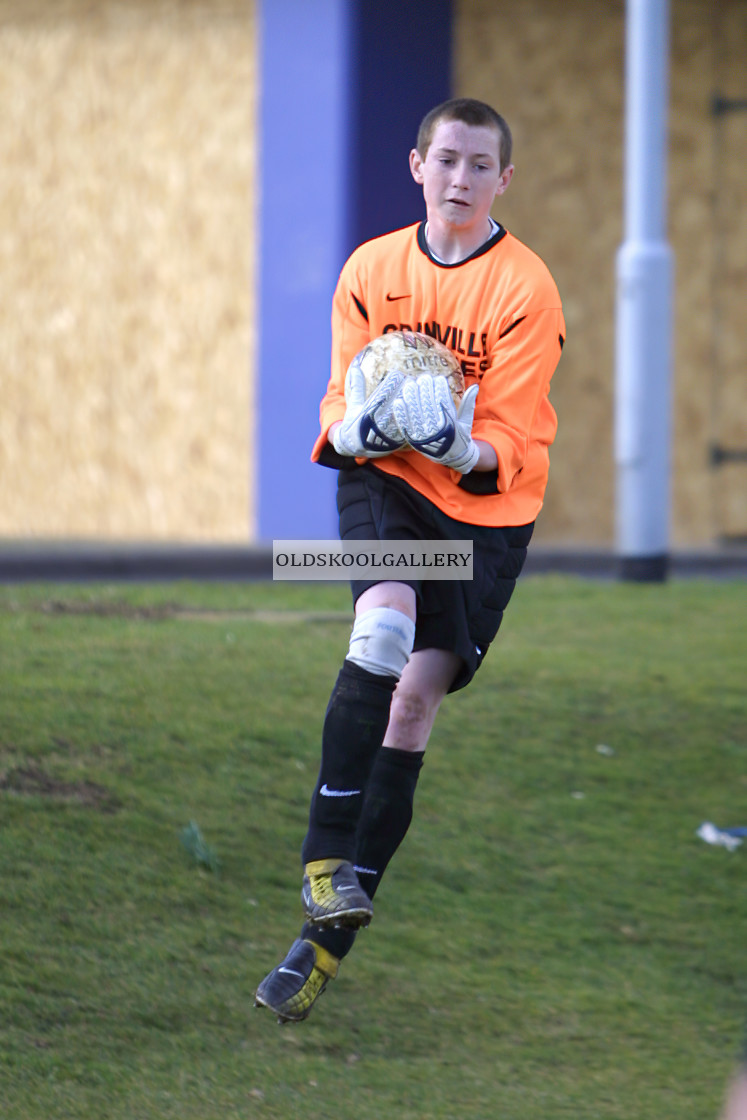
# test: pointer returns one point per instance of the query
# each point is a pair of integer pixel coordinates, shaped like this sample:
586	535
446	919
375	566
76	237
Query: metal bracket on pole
718	455
720	105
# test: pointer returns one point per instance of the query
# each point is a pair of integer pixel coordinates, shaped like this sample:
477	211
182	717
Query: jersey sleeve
350	333
513	410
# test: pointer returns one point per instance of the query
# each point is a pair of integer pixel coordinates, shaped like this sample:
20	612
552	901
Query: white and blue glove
369	427
431	424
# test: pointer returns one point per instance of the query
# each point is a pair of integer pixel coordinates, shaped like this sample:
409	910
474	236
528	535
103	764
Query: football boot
292	989
332	895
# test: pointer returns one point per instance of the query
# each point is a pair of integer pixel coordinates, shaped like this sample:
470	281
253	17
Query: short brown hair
472	112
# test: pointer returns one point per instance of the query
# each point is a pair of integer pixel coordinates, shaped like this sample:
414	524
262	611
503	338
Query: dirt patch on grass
32	780
119	609
99	609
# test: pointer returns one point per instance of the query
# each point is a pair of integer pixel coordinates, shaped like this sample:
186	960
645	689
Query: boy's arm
488	460
350	334
513	409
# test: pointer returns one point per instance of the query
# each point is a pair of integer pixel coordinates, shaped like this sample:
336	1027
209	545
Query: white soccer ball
412	354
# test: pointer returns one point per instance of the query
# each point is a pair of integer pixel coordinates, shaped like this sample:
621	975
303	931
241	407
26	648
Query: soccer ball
413	354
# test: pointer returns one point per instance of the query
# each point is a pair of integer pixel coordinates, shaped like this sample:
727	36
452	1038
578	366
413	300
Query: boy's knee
382	641
410	711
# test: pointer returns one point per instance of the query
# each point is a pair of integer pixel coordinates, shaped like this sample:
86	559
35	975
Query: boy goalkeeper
462	278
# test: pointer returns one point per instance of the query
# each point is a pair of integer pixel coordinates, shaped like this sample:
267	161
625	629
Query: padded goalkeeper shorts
462	616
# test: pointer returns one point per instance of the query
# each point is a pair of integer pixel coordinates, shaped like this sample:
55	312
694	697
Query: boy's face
461	173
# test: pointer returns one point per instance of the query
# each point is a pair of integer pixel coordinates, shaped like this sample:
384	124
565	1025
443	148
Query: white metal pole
644	304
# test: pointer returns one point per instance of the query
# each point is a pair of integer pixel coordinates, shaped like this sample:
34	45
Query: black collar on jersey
499	234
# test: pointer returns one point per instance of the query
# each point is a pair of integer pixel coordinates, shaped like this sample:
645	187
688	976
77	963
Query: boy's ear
505	179
416	166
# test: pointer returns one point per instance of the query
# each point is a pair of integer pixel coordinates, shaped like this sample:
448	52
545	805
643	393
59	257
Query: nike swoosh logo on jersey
292	972
327	792
392	299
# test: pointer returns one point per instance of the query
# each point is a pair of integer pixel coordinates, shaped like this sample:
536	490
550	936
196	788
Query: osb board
556	72
126	220
128	320
728	429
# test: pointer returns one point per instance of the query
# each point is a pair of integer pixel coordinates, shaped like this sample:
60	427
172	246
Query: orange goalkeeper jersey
500	312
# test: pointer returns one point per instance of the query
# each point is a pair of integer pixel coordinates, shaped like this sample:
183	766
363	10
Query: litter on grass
729	838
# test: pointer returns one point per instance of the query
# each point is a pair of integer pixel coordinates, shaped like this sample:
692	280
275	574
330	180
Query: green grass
553	939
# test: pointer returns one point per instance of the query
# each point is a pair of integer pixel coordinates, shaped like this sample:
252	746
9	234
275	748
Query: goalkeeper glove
368	427
431	424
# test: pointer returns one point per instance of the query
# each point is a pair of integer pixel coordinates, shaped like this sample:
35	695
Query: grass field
553	939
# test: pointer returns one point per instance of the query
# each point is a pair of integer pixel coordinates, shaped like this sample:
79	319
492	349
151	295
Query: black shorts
462	616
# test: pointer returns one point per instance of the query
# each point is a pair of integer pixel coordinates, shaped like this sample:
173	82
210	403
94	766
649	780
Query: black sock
387	813
354	728
385	819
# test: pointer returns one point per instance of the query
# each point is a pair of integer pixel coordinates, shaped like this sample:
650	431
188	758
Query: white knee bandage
381	641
